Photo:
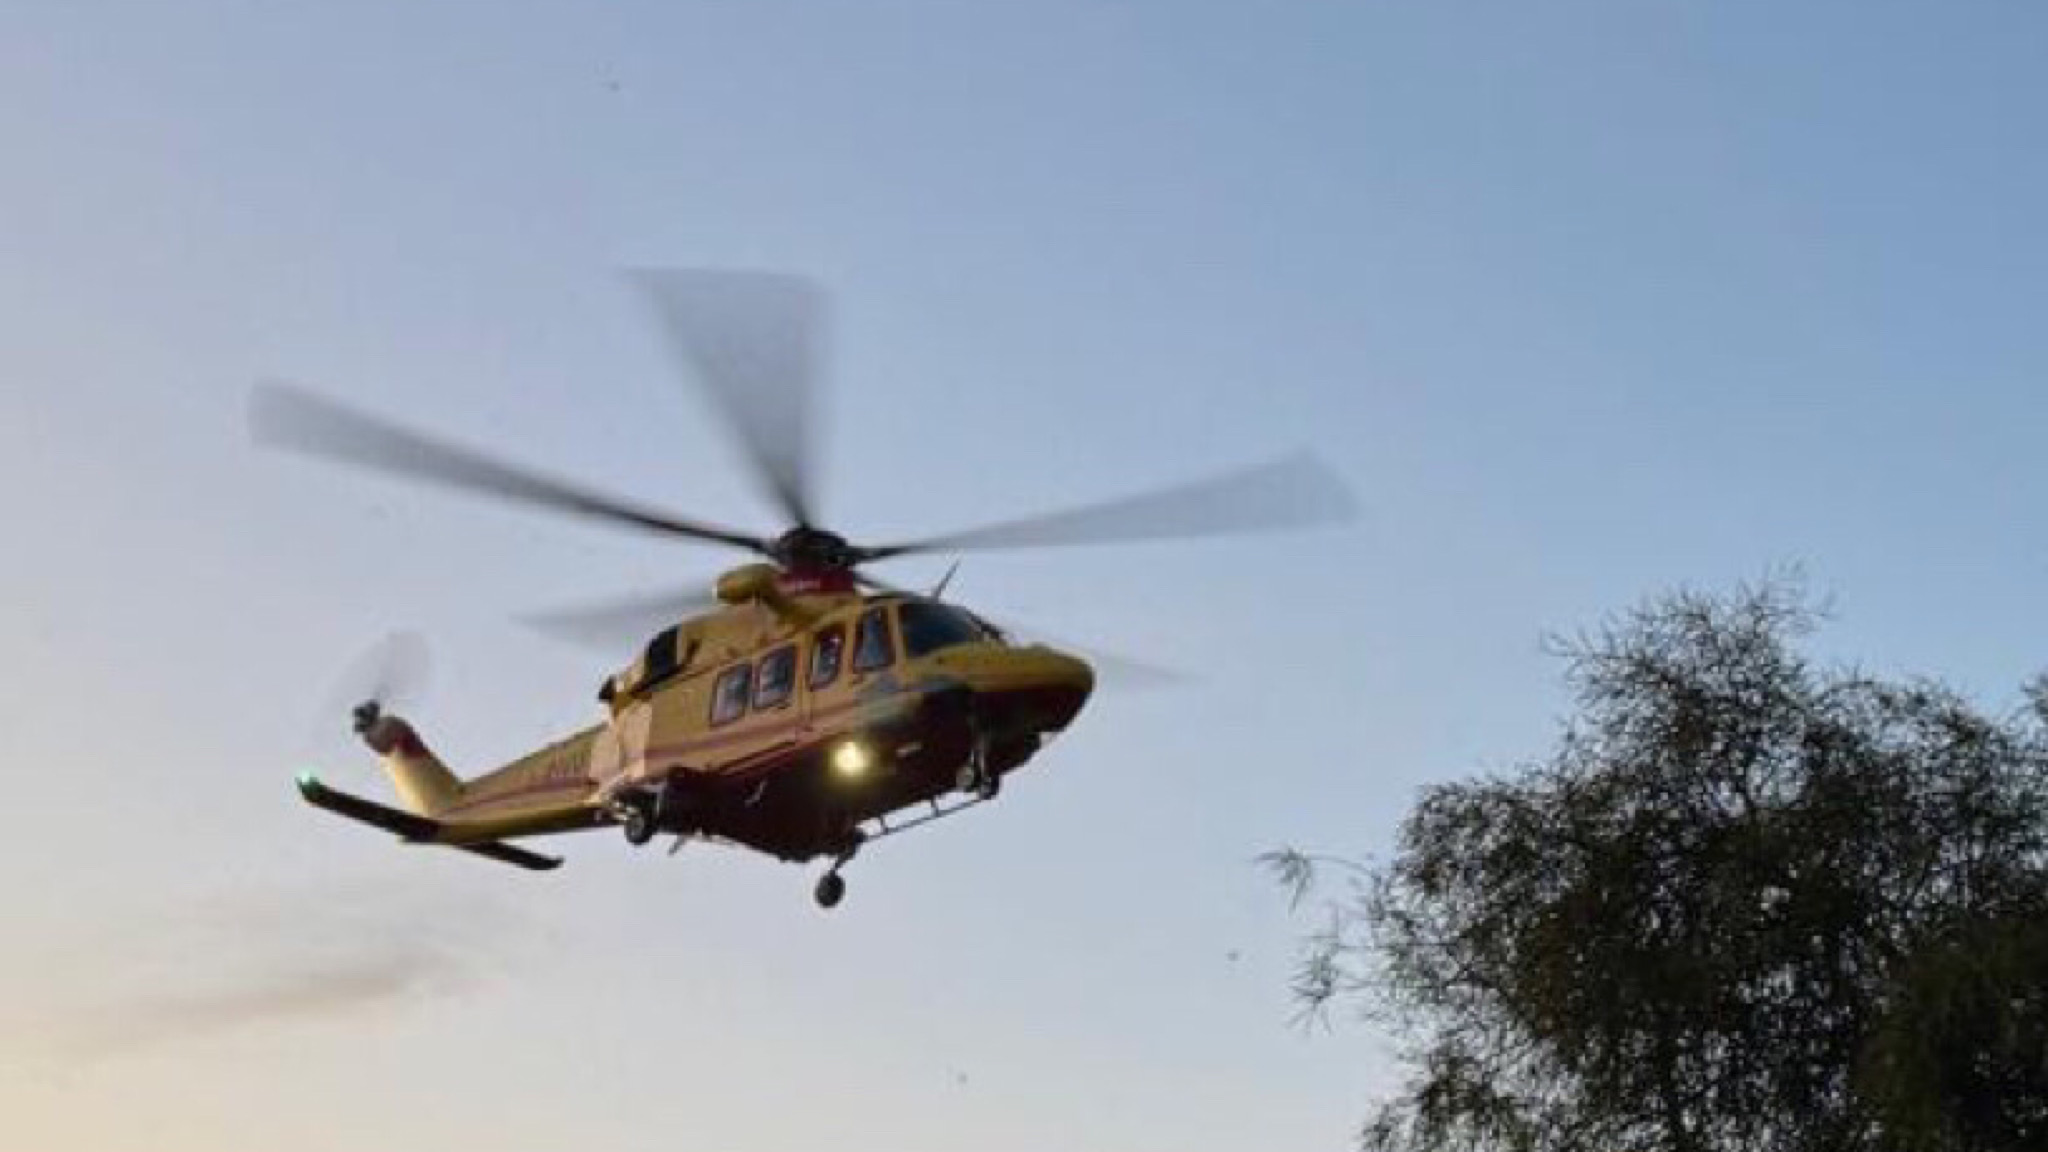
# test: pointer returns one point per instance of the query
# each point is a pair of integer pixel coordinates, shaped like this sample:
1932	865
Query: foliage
1745	903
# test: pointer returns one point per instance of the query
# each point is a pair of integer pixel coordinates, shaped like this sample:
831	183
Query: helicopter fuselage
785	725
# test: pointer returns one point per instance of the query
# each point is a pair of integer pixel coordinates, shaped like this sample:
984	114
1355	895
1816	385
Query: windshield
928	627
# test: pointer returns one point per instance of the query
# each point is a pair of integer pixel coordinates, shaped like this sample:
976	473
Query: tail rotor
391	674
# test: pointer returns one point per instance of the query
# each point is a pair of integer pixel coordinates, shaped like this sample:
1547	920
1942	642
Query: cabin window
729	694
777	678
871	646
928	627
828	651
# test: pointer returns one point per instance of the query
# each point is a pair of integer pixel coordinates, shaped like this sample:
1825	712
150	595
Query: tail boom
425	784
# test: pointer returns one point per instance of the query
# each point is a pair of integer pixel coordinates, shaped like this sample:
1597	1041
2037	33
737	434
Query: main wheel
831	890
639	824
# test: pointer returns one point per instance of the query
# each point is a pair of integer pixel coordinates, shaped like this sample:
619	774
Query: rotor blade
286	416
1295	492
623	621
755	340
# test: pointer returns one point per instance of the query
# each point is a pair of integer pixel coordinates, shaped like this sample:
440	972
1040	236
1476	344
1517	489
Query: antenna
939	589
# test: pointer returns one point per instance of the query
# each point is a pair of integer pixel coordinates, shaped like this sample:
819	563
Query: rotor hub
804	549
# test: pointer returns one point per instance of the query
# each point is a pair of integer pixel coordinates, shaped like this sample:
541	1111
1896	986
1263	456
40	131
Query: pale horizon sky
1585	300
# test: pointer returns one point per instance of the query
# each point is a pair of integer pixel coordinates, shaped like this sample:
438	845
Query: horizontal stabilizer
414	829
511	854
403	825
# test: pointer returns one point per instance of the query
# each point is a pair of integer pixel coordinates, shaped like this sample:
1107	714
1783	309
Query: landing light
851	759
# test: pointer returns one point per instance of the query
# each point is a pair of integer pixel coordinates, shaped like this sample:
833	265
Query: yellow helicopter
805	707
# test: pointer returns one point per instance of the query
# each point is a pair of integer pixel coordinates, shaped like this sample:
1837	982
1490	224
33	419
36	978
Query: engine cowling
748	583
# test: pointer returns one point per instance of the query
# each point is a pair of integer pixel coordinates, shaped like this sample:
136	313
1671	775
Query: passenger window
828	650
777	678
729	694
871	645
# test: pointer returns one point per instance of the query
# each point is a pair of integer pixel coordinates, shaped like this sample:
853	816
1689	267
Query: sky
1584	300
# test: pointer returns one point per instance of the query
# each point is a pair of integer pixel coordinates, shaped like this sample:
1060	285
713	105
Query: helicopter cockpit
927	626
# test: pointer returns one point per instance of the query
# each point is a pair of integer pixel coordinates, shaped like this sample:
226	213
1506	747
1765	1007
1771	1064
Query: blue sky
1584	299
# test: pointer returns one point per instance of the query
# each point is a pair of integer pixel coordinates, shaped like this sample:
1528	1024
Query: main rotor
754	342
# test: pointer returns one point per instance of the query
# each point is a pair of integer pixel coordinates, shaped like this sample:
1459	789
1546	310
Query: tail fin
425	784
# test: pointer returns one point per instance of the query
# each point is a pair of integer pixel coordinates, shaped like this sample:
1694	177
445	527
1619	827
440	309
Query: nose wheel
831	887
830	891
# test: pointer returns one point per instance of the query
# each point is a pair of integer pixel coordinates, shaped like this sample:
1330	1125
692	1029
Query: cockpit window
989	631
871	648
928	627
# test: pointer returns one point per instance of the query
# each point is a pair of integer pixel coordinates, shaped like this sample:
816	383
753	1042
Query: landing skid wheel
831	890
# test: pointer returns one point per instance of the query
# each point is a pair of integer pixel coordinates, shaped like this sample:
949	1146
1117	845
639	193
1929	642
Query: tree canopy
1746	902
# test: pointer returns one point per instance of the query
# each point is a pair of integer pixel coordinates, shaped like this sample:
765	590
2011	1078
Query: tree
1745	903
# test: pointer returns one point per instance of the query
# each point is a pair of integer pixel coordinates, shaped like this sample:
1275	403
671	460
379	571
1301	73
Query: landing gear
831	890
831	887
646	811
639	825
635	813
978	781
978	776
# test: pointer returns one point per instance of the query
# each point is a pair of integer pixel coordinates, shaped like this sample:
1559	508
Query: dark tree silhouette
1745	903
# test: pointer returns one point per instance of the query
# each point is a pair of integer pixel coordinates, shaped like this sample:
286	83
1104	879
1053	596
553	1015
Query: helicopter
803	708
